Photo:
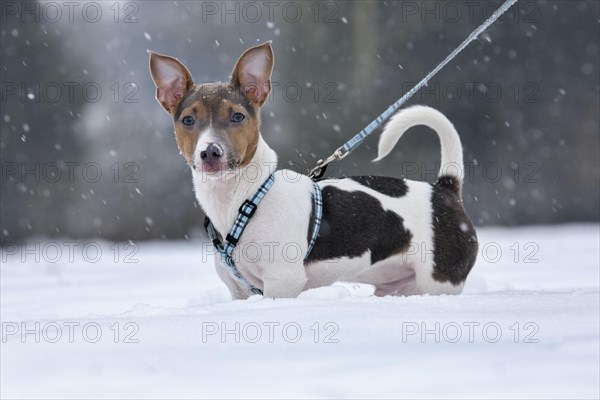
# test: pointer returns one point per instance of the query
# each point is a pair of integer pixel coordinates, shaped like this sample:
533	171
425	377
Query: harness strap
318	208
246	212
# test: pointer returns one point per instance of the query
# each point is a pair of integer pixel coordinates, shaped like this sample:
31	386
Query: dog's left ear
252	72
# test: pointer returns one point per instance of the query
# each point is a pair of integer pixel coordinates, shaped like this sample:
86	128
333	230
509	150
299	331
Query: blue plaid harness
246	212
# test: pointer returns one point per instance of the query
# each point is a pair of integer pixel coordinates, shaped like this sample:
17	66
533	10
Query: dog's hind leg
402	287
426	284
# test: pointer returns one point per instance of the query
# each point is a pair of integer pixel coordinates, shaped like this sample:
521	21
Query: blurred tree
40	102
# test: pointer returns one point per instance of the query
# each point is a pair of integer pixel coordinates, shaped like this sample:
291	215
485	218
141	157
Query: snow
527	329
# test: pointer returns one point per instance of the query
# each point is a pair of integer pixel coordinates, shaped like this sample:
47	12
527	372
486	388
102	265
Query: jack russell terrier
403	237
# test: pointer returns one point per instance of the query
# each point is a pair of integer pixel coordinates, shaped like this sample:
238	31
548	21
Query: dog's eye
188	121
237	117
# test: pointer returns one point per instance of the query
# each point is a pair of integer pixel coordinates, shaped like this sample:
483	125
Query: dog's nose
212	154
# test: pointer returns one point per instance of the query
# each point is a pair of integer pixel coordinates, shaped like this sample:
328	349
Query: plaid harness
245	214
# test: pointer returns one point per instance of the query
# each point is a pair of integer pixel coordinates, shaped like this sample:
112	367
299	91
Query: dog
403	237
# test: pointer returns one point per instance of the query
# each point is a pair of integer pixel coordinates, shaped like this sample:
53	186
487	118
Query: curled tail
452	157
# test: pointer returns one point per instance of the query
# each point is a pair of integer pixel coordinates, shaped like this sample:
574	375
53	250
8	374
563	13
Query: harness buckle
231	239
250	205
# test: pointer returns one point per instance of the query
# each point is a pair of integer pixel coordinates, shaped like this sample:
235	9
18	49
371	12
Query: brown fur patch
212	105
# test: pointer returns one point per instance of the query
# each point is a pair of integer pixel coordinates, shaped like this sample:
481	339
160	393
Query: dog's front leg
286	280
237	292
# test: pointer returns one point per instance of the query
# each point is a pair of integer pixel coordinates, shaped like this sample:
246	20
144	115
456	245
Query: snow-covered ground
526	326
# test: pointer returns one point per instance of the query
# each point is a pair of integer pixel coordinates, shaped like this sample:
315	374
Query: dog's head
217	125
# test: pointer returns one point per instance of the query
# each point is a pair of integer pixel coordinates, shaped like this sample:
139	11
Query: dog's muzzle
212	158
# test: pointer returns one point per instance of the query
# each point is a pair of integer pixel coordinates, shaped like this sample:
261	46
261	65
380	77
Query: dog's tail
451	168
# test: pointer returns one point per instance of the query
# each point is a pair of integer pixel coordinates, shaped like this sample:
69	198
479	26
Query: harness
245	214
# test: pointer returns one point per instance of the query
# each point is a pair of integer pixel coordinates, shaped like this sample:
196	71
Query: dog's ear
252	72
172	80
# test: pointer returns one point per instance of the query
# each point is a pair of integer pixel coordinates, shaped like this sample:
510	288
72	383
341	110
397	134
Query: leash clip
317	172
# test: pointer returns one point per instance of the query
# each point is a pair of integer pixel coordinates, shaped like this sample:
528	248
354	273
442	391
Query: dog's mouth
212	168
215	168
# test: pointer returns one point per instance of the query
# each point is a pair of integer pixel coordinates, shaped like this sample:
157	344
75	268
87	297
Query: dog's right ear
172	80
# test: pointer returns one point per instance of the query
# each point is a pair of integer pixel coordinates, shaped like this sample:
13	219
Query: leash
245	214
248	208
342	152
